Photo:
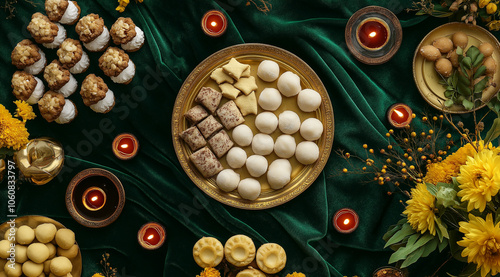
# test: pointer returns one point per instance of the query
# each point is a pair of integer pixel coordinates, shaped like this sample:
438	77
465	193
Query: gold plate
427	79
35	220
253	54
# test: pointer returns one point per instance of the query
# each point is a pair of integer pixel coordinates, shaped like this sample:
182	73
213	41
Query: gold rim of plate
427	79
35	220
254	53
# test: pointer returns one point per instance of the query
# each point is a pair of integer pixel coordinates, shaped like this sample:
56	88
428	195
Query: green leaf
479	71
464	90
467	62
430	247
479	60
405	231
432	188
494	131
468	104
460	51
421	12
391	231
442	229
470	270
442	245
463	80
472	53
404	251
448	103
481	85
448	94
413	257
443	82
463	70
454	78
455	249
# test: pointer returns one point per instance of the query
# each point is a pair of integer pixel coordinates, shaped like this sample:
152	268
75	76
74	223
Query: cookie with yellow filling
208	252
271	258
239	250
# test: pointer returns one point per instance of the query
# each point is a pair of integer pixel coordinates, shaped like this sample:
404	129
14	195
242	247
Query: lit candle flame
372	34
346	221
150	237
213	23
400	114
94	198
124	145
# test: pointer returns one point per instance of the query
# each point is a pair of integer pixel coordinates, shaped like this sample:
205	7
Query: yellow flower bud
483	3
491	8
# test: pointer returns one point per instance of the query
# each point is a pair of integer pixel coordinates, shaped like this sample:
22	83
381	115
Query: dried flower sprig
10	6
108	270
263	5
122	4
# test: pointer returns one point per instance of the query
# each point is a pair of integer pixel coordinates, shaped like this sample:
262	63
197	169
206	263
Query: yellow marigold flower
420	210
24	110
13	133
491	8
494	25
295	274
209	272
483	3
479	179
97	275
482	243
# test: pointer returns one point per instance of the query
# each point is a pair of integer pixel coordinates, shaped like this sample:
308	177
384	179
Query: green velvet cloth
157	189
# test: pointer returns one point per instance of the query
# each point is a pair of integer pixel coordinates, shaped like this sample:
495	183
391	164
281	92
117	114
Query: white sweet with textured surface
284	147
249	188
236	157
268	70
136	42
289	84
37	93
307	152
242	135
308	100
61	36
266	122
105	104
228	180
289	122
262	144
256	165
279	173
127	74
311	129
270	99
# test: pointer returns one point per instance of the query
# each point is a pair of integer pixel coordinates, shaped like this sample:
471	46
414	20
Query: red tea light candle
345	220
388	271
373	33
125	146
151	236
214	23
399	115
94	198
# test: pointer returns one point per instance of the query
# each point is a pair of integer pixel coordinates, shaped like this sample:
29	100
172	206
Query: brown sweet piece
25	54
23	85
209	126
230	115
123	30
55	9
42	29
50	105
220	143
93	89
206	162
113	61
70	52
196	114
89	27
56	75
209	97
193	138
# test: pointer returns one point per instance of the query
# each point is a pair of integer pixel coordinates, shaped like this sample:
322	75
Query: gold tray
253	54
35	220
427	79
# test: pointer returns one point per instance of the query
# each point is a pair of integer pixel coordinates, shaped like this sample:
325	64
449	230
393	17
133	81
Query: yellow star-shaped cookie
229	91
246	85
247	104
235	69
220	77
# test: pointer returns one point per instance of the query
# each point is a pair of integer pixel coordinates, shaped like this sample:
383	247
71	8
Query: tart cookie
72	56
250	272
60	79
117	65
125	33
49	34
62	11
96	94
239	250
27	56
93	33
27	87
53	107
208	252
271	258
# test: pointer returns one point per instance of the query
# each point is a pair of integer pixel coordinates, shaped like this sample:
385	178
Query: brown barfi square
196	114
206	162
193	138
230	115
209	126
220	143
209	97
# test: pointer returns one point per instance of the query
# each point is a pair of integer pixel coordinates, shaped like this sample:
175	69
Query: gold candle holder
125	146
151	236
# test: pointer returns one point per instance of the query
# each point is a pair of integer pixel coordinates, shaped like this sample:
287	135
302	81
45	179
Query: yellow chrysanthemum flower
482	243
421	210
13	133
483	3
24	110
295	274
97	275
479	179
494	25
209	272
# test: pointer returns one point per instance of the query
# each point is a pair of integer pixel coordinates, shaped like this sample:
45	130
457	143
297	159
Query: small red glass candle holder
389	271
345	221
399	115
94	198
214	23
373	33
125	146
151	236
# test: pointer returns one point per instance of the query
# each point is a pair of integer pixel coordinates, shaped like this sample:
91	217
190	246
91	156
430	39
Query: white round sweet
236	157
270	99
311	129
228	180
308	100
284	146
256	165
242	135
266	122
268	71
289	122
262	144
279	173
249	188
307	152
289	84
